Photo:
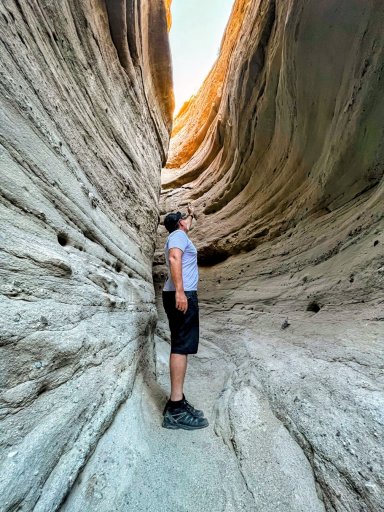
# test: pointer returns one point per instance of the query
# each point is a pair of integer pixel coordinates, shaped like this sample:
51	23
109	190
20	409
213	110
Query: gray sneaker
182	418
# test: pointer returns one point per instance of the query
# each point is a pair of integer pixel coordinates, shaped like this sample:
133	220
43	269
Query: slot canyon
282	154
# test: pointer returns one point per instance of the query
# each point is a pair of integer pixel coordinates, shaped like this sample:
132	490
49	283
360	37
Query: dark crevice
314	307
62	238
209	256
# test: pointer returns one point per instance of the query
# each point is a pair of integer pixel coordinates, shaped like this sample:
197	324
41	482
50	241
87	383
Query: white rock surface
82	141
285	165
139	466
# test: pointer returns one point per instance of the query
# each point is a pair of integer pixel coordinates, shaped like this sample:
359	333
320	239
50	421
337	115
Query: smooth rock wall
292	129
282	154
84	128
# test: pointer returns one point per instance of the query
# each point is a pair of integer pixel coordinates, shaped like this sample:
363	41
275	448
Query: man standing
182	309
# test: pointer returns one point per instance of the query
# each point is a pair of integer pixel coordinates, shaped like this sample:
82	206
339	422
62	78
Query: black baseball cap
172	219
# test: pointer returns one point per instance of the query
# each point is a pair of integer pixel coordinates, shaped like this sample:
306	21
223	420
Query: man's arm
175	267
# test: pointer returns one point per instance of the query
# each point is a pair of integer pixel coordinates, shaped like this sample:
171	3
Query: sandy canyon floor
291	412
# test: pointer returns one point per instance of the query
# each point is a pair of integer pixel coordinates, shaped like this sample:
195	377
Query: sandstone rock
281	152
294	131
85	115
285	168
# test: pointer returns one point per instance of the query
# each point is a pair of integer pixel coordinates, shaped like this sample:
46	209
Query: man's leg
177	368
178	413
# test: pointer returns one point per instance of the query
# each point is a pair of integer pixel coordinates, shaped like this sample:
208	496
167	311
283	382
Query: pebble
285	324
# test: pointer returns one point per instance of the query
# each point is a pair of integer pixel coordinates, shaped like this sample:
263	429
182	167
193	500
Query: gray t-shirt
179	239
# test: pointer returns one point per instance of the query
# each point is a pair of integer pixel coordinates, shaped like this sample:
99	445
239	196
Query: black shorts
184	327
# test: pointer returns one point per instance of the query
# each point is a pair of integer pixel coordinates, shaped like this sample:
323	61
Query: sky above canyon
197	29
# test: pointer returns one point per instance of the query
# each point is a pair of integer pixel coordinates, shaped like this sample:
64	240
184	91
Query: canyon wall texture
282	154
86	106
290	141
295	128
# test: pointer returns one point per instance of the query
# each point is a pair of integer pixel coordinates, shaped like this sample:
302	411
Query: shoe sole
200	415
183	427
196	415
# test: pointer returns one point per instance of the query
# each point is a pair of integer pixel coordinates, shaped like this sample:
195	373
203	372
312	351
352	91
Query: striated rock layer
86	106
294	131
282	153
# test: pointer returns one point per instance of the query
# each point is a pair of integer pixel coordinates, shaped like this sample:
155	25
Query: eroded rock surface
148	468
281	153
295	129
84	127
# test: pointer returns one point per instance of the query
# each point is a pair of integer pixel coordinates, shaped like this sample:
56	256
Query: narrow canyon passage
286	433
246	459
281	152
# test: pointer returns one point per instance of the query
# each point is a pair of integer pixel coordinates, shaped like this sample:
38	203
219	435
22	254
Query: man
181	306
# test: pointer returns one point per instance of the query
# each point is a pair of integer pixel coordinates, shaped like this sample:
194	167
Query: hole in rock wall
314	307
118	267
62	238
207	257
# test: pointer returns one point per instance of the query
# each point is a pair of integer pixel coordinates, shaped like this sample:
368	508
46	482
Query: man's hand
191	210
181	302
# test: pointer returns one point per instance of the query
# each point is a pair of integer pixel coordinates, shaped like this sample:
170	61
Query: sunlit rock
281	153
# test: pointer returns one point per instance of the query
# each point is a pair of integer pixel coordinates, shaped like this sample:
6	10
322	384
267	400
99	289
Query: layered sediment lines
282	154
290	133
86	104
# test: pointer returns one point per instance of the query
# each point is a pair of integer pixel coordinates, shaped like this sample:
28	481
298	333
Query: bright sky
196	33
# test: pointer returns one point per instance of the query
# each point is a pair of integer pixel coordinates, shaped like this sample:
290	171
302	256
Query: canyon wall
285	137
282	154
86	106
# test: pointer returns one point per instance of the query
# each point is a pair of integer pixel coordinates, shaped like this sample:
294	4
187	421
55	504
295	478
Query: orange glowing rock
196	115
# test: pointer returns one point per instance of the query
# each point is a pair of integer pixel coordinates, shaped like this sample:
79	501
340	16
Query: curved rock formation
282	154
86	104
293	131
196	115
